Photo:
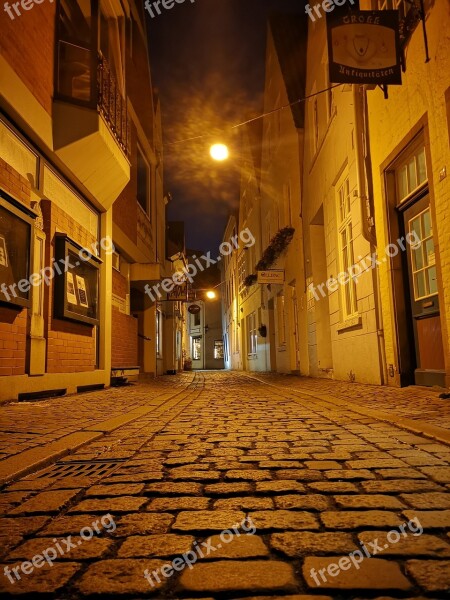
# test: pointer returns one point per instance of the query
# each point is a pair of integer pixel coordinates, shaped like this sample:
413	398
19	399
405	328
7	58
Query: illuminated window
252	335
158	332
218	349
196	348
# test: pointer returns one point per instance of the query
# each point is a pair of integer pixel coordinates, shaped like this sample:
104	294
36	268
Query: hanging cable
266	114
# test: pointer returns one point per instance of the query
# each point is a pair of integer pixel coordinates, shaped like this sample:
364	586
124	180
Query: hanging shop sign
178	294
364	47
194	309
271	276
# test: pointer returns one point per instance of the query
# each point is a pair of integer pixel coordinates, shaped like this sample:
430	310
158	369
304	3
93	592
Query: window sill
352	323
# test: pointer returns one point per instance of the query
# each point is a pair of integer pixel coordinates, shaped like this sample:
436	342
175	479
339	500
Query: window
225	347
143	182
195	319
158	331
75	50
218	349
241	272
112	40
423	258
281	320
252	335
236	337
403	6
197	348
411	174
116	261
15	236
345	244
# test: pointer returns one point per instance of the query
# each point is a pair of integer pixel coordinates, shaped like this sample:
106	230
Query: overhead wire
266	114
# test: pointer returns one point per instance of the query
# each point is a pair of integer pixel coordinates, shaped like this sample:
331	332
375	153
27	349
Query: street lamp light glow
219	152
210	294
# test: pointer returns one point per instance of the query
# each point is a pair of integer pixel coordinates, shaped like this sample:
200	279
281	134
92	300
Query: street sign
178	294
194	309
364	47
271	276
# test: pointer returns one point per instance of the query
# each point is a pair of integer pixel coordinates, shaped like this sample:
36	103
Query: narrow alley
223	485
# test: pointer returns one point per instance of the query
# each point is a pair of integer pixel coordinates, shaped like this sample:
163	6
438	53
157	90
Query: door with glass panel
423	288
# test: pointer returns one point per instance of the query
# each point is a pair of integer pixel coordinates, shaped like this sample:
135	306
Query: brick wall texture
124	346
28	42
124	352
70	346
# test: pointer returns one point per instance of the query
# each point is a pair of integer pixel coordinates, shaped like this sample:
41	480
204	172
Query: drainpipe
365	191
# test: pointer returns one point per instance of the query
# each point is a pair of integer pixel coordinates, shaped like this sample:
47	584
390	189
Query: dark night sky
208	62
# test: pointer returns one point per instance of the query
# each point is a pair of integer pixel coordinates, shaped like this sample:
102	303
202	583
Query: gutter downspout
365	191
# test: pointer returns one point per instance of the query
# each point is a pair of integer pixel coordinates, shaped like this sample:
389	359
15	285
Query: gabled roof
289	33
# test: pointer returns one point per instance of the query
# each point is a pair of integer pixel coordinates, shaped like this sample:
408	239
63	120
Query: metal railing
112	105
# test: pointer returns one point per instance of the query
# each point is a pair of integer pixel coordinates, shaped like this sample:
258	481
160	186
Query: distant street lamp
219	152
210	294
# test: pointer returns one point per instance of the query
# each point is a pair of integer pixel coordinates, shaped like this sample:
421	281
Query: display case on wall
16	222
76	287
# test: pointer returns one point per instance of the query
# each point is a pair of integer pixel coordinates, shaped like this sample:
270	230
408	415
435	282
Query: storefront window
15	236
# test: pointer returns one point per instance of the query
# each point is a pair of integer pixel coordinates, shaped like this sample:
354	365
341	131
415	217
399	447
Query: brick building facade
82	212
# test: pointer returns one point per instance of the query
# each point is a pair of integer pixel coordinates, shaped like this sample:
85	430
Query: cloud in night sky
208	63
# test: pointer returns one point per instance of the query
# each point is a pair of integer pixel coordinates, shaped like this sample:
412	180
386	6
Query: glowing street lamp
219	152
210	294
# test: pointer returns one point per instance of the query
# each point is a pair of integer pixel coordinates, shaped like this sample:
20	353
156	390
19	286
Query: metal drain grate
82	468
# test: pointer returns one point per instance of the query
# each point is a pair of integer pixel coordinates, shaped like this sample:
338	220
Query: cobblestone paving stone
302	483
413	402
25	425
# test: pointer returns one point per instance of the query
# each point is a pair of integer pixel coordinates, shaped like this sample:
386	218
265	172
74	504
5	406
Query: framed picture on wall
76	289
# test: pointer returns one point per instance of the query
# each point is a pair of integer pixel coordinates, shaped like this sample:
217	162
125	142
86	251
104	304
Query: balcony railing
112	105
76	83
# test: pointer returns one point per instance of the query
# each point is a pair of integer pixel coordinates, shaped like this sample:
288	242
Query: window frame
140	153
252	335
9	204
347	291
412	152
425	267
219	344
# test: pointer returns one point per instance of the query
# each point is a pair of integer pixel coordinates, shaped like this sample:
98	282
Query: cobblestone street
227	485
